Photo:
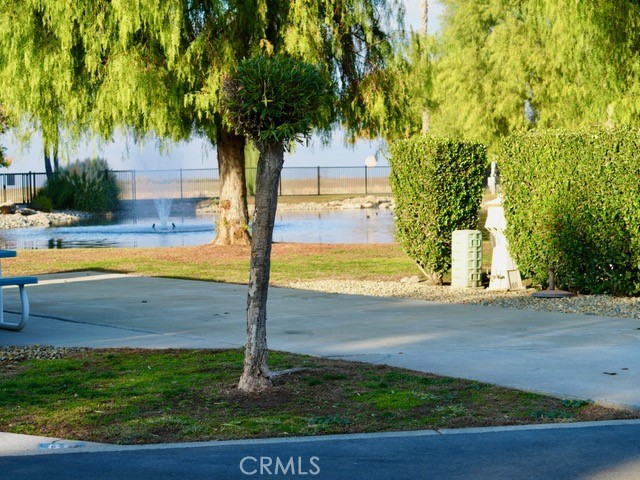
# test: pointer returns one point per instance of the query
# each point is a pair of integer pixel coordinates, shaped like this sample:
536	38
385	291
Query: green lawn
290	262
150	396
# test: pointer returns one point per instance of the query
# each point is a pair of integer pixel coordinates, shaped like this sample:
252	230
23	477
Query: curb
38	447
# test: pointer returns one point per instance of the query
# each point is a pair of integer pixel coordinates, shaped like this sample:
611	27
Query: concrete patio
559	354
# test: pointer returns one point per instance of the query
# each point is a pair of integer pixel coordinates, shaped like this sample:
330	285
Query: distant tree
392	100
507	65
274	101
40	80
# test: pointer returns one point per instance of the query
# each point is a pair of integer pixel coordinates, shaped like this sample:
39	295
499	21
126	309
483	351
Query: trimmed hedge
572	201
437	184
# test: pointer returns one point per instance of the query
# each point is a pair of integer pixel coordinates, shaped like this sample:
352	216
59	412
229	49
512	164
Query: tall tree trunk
47	161
55	157
255	377
233	216
425	19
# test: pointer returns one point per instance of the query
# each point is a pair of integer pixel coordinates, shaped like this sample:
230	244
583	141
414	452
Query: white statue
504	271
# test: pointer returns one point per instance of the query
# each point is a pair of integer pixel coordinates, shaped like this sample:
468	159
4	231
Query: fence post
366	180
181	190
280	183
133	185
318	179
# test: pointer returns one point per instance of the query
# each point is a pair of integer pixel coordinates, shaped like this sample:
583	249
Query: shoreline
382	202
28	218
17	217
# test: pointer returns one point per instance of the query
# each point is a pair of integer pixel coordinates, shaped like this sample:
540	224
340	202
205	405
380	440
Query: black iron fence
21	187
205	183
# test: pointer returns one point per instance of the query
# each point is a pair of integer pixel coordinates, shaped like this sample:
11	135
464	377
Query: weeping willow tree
394	101
40	85
347	40
507	65
92	67
156	66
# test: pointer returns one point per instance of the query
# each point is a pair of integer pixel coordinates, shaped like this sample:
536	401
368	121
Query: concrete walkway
554	353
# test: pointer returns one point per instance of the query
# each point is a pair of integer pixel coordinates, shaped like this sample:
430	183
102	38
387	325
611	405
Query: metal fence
21	187
205	183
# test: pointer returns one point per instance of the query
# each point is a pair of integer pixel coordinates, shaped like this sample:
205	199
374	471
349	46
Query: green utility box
466	259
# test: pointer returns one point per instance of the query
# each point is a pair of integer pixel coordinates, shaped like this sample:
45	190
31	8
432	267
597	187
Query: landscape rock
207	207
14	354
351	206
7	208
27	211
413	279
40	219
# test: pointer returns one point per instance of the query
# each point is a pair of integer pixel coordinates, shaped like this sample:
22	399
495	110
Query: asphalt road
610	451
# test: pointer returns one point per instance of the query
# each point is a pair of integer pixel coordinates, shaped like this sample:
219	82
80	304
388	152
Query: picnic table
20	282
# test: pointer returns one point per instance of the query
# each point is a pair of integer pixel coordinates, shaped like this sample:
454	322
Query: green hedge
437	184
572	201
86	185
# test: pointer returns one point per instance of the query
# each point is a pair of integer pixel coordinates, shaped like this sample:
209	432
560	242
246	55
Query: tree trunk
233	216
47	160
56	166
425	20
255	377
424	17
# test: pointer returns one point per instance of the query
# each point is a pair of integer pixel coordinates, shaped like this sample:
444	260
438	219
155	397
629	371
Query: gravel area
10	355
601	305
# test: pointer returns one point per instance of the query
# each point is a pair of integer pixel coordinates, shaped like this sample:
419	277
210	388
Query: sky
123	154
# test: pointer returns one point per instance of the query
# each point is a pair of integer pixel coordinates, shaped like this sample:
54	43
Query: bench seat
6	281
20	282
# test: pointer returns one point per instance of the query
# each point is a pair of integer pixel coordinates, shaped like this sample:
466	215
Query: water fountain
163	208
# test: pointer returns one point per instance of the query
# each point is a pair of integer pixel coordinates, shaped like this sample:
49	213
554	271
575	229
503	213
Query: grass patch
290	262
149	396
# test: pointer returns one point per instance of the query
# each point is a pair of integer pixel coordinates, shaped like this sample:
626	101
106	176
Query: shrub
87	186
277	99
437	183
42	203
572	202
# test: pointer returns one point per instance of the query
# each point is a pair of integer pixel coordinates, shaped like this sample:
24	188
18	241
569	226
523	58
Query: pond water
139	226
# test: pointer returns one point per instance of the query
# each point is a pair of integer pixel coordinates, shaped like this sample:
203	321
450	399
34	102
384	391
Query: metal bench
20	282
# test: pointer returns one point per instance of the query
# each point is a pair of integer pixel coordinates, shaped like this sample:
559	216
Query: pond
139	226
